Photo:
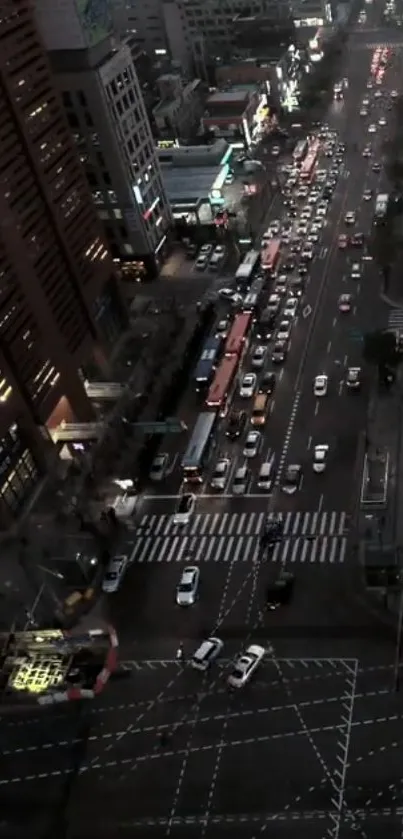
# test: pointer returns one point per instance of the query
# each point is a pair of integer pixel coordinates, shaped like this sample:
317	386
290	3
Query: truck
381	206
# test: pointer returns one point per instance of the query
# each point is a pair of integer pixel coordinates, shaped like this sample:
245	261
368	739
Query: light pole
398	650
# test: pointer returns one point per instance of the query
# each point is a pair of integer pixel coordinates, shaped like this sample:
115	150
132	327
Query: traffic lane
324	618
146	607
337	426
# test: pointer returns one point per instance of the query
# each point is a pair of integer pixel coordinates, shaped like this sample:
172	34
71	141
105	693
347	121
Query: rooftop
227	97
191	185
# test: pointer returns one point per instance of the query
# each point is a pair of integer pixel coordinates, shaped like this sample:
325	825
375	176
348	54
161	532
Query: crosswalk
395	319
234	537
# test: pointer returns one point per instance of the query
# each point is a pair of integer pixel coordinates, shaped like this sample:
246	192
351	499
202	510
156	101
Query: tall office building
60	309
104	104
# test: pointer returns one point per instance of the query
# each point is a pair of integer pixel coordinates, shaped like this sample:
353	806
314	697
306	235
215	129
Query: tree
380	349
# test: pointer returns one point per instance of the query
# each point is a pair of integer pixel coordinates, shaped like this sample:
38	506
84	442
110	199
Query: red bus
220	390
309	167
236	340
300	151
270	254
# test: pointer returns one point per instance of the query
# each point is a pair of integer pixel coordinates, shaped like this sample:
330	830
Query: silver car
188	586
114	574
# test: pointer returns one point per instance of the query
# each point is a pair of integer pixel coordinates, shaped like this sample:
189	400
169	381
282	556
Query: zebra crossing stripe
233	549
242	524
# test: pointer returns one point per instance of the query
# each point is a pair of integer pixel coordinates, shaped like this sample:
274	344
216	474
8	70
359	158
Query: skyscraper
105	108
60	308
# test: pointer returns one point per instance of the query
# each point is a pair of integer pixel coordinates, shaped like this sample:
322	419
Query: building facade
60	309
108	118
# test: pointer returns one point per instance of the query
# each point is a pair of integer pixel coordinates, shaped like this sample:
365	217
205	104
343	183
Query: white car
302	192
321	211
284	331
245	665
345	303
307	252
114	574
363	112
320	385
350	217
313	197
371	129
313	237
319	458
187	588
356	271
306	213
185	508
159	467
220	474
201	262
275	227
247	387
258	357
394	94
291	306
382	121
252	444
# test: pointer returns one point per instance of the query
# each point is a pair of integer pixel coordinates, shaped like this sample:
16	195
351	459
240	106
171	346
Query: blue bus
198	450
207	362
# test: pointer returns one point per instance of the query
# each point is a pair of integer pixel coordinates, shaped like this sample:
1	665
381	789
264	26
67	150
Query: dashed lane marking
209	747
259	818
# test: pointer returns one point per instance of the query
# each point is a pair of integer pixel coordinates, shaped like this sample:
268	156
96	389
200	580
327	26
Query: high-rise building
60	309
104	104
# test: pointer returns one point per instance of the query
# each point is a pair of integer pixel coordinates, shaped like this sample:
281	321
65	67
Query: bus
207	363
381	208
247	267
309	167
270	255
236	341
198	450
220	390
300	151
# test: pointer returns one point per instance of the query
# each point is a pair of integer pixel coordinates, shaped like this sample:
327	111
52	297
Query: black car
236	424
288	265
376	167
302	268
297	286
292	212
279	592
268	383
357	240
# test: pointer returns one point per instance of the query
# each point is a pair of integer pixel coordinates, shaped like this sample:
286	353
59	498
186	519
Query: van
259	409
250	303
266	476
208	651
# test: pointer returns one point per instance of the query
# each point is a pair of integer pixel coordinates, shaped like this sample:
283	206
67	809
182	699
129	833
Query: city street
312	745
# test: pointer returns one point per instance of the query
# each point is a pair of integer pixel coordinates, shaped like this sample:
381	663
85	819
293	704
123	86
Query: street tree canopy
380	349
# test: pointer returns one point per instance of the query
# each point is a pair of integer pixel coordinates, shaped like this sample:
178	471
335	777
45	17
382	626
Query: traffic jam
244	358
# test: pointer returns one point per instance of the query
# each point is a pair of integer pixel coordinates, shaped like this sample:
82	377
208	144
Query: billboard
95	18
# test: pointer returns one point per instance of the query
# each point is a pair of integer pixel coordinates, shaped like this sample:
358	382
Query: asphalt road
313	745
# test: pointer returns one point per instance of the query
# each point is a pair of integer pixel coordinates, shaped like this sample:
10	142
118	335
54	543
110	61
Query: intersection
230	762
